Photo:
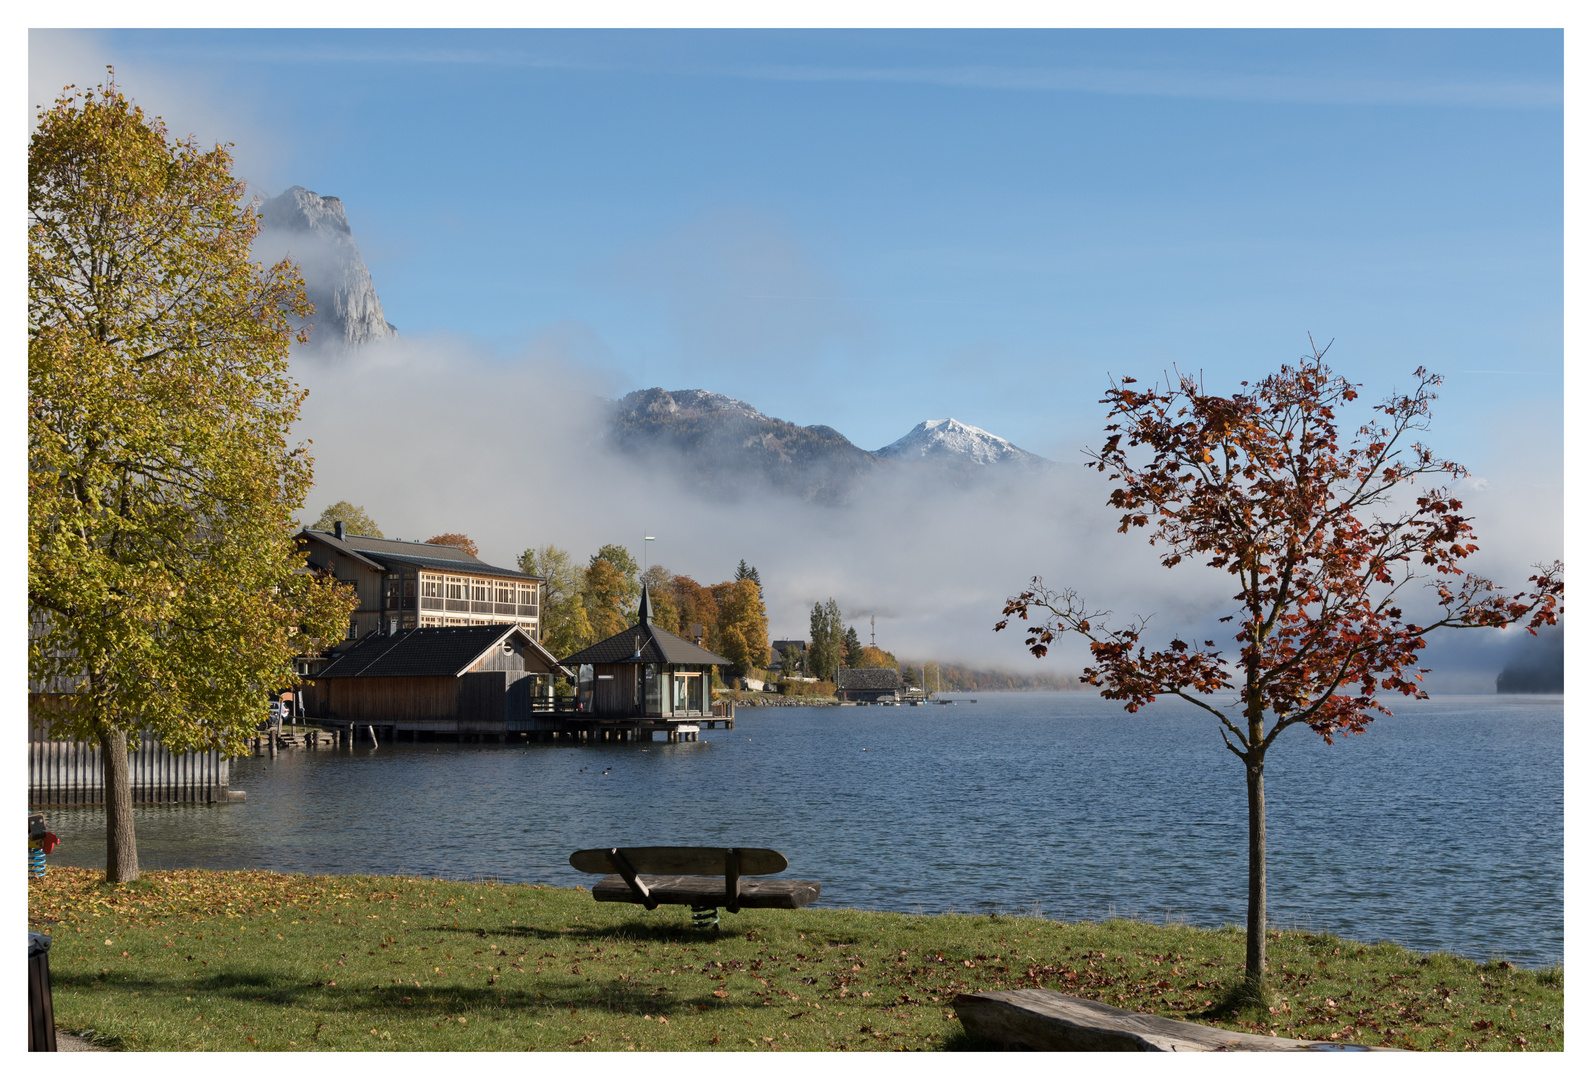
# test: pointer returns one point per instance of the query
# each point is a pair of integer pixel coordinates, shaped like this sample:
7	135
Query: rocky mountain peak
313	231
659	403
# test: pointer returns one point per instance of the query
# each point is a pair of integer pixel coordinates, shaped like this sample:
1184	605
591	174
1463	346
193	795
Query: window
480	591
394	590
653	689
687	692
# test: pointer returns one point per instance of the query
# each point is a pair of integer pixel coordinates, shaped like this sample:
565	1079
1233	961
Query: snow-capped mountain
313	231
948	440
727	446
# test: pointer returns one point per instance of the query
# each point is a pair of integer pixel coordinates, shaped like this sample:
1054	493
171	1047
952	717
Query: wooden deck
543	725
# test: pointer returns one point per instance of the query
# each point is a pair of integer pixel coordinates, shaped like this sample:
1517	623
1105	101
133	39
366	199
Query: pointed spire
646	607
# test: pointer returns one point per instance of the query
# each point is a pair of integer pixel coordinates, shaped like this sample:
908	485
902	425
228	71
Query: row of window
441	591
479	590
408	622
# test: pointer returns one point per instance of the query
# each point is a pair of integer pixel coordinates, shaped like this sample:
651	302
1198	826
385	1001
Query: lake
1442	827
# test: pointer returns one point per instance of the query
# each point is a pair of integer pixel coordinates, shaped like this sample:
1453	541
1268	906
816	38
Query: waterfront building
868	684
645	672
405	585
438	680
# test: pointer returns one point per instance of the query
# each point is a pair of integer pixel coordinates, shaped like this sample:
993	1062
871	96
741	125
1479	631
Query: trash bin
41	1010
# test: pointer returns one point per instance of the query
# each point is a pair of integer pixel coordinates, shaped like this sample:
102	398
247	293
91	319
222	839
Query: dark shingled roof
867	679
387	553
429	650
658	646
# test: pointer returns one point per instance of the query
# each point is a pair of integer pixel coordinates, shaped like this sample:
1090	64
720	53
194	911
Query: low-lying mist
441	435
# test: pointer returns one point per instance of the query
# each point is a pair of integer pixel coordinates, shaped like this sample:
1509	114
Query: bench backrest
678	860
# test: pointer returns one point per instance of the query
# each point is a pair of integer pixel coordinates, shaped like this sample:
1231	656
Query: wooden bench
650	876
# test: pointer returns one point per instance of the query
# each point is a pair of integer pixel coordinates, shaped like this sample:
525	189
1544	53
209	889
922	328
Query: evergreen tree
851	649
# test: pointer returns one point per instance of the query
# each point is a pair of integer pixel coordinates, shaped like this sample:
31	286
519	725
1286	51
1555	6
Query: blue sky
871	229
868	230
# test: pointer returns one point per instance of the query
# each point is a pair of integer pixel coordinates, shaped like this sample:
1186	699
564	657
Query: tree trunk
121	849
1255	945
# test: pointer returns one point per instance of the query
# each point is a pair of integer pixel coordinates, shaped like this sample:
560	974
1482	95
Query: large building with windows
404	585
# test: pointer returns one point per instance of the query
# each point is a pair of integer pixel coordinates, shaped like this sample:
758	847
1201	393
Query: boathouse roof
381	554
644	643
867	679
428	651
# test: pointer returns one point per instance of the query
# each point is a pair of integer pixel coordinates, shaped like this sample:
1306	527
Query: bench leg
704	918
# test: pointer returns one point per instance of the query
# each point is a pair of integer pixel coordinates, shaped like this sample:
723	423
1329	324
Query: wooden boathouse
465	682
868	685
646	680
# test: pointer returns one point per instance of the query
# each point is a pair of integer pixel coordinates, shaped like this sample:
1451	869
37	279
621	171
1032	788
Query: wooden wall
519	658
72	774
399	700
476	701
615	696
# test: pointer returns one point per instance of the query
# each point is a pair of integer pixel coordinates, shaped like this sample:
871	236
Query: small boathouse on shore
461	681
647	679
868	684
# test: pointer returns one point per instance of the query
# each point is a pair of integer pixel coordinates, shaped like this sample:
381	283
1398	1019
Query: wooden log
1046	1020
679	860
709	891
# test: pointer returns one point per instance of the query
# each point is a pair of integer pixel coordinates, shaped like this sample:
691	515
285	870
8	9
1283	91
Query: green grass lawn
200	960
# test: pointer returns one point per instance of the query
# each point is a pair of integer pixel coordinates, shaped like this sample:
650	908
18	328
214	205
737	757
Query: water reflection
1440	828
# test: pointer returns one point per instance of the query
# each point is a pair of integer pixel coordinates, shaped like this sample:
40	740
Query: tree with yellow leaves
742	636
165	592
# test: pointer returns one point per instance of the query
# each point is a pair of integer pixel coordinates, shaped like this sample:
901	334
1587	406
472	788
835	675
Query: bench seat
708	891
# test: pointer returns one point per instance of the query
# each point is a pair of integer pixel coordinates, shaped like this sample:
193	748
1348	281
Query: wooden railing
71	774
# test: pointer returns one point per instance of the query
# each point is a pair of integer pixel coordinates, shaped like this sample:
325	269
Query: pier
543	725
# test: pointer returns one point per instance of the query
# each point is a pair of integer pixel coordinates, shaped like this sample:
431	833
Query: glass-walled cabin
665	691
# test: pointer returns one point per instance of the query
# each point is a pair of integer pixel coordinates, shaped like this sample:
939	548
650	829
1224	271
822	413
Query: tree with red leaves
1325	541
458	540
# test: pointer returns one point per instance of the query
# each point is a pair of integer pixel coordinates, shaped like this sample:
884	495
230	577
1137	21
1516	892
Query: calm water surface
1441	828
